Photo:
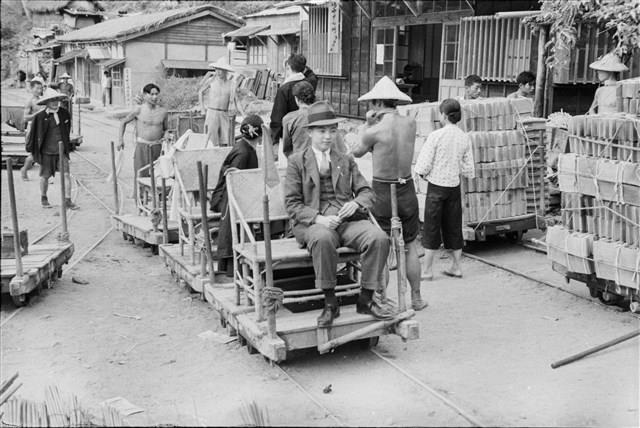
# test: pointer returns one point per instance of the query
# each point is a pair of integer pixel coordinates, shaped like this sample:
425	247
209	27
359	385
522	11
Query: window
257	51
325	39
450	51
116	76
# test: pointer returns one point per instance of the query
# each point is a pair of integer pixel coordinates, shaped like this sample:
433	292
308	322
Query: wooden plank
422	19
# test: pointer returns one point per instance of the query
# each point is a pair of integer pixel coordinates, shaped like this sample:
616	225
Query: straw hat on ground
609	62
221	64
65	76
321	114
51	95
385	89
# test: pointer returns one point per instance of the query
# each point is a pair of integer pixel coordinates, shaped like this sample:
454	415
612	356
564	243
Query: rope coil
272	299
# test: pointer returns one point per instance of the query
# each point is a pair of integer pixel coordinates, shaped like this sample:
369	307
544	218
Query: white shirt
318	154
445	156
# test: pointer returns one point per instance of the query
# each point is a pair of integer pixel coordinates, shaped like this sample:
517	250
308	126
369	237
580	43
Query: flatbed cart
513	228
275	321
607	291
28	268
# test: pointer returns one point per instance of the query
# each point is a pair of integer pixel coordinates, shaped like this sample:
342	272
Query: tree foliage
239	8
620	18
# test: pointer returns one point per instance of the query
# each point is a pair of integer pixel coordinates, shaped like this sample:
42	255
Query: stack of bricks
628	96
600	181
508	148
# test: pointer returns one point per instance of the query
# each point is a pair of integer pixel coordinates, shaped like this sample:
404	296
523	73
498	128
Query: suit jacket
39	128
302	185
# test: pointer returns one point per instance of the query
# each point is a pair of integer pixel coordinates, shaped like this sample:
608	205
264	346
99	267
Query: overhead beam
423	18
410	7
364	11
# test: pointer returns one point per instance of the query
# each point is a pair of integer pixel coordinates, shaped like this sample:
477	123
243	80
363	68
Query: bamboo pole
64	235
165	222
154	196
205	225
396	234
115	179
14	219
540	73
595	349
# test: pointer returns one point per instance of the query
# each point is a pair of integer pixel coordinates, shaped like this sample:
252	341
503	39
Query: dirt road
483	358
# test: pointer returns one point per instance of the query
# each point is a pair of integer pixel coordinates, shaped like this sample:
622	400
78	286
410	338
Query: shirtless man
221	95
30	111
152	125
391	139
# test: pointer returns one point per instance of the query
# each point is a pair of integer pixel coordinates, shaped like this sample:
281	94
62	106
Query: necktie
325	169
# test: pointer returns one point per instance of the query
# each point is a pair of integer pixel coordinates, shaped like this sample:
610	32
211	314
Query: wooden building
351	44
267	39
137	49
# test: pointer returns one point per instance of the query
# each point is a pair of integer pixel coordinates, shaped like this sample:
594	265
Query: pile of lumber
509	155
600	181
263	84
628	95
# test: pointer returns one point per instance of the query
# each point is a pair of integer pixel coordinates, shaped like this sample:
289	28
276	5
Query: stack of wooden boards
600	181
263	84
628	96
508	150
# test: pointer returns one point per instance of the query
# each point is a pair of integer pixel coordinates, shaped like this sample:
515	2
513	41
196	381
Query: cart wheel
515	237
19	300
154	250
369	342
594	292
609	299
241	340
125	236
250	349
634	307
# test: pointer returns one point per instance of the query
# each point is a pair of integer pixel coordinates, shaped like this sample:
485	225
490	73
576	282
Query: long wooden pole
595	349
540	72
64	236
165	222
205	224
396	235
152	177
114	174
14	218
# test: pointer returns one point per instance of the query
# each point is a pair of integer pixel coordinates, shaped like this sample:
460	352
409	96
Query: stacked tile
628	96
538	193
600	181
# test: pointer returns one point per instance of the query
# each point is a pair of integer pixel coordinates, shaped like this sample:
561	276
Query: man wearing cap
608	69
65	87
391	139
221	96
50	127
327	198
242	156
31	108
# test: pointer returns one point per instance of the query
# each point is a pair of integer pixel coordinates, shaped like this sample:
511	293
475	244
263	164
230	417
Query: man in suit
328	200
49	127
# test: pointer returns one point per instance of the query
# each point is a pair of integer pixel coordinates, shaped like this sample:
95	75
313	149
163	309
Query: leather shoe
372	308
328	314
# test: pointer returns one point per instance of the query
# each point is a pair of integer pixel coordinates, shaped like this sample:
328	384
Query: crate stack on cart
508	194
599	240
628	96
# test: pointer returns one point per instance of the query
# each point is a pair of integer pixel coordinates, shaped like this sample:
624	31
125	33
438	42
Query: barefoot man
391	139
221	96
152	125
30	111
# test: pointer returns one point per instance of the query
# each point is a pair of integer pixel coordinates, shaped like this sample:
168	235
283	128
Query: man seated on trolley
328	200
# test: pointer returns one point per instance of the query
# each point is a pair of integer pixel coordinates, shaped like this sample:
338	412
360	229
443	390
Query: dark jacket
242	156
285	102
302	185
39	128
310	77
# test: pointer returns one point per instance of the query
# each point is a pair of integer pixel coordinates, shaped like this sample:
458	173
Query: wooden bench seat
286	250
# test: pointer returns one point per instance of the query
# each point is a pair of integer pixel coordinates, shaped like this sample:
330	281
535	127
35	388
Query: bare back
151	122
392	143
220	94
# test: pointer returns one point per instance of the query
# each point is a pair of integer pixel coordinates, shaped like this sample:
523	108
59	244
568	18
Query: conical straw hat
385	89
51	95
609	62
221	64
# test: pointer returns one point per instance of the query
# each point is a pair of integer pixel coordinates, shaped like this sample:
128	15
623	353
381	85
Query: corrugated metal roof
68	56
142	24
185	64
246	31
110	63
96	52
279	31
274	11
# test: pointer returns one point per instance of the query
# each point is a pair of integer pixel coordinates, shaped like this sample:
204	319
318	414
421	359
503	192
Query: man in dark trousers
242	156
49	127
284	101
328	200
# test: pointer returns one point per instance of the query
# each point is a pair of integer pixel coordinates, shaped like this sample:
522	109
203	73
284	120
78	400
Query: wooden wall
207	30
424	49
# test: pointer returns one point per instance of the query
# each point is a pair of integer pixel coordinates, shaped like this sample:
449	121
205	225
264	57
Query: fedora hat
221	64
385	89
65	76
51	95
609	62
321	114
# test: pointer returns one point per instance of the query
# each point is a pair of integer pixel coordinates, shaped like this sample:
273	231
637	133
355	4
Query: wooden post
205	225
396	235
114	173
540	72
64	235
154	196
165	222
266	229
14	218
